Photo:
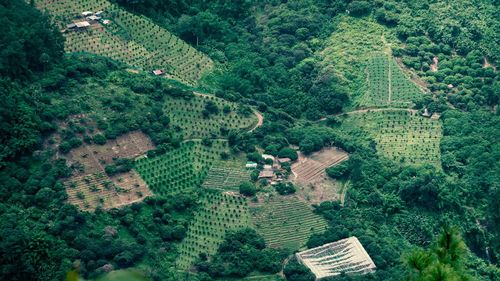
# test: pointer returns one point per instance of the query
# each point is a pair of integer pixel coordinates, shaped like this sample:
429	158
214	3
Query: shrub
285	188
247	189
99	139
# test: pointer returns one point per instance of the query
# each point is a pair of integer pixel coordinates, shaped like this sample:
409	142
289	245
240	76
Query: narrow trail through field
389	98
413	111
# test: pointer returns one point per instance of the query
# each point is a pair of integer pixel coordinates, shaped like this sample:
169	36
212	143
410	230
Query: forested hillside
267	128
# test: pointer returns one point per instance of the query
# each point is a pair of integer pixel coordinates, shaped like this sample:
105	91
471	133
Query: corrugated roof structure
344	256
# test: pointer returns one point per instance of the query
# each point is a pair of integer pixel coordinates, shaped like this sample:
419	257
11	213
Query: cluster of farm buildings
85	20
271	172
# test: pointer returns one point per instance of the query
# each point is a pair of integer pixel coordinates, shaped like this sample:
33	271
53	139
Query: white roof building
95	18
251	165
344	256
267	156
87	13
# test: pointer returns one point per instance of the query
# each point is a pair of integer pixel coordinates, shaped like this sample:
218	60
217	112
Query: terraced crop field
180	169
218	213
286	222
188	115
388	85
226	177
98	190
129	38
401	135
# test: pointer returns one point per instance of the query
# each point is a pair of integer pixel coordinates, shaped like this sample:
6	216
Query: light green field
187	114
218	213
350	47
129	38
286	222
180	169
224	177
401	135
387	84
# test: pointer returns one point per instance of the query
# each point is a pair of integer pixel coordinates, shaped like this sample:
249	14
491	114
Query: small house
93	18
266	174
268	167
106	22
284	160
87	13
70	26
82	24
251	165
158	72
426	113
267	156
99	13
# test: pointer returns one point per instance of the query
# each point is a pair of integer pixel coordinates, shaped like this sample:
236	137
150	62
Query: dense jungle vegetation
268	55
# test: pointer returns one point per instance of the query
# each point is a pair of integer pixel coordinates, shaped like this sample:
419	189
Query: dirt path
389	98
413	111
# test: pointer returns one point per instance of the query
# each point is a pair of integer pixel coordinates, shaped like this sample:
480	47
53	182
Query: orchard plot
219	213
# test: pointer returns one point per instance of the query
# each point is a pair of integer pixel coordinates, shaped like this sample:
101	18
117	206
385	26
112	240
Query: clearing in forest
90	187
350	47
180	169
285	221
387	84
192	117
126	37
401	135
310	176
218	213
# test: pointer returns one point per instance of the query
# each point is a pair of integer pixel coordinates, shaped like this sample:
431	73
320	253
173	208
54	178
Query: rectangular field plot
226	177
188	115
218	213
180	169
129	38
98	190
387	84
286	222
314	185
401	135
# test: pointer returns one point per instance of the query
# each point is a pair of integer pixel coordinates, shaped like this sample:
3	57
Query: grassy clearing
400	134
350	47
129	38
218	213
286	222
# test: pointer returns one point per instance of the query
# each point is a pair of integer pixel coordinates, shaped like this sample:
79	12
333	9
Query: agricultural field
218	213
91	158
401	135
226	177
98	190
129	38
188	115
285	222
89	187
387	84
350	48
180	169
310	176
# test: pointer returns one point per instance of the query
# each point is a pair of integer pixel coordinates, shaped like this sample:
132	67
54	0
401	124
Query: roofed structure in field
343	256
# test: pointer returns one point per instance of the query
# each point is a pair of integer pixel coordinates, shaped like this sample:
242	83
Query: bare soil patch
314	186
434	65
92	158
98	190
89	187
